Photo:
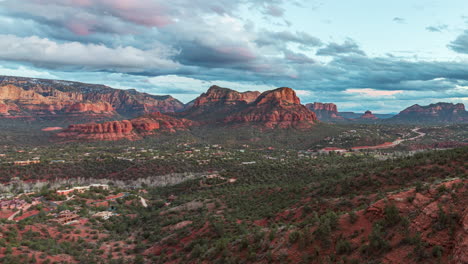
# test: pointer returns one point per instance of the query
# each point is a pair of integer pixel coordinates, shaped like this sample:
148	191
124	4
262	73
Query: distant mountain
433	113
368	116
133	129
325	111
353	115
39	98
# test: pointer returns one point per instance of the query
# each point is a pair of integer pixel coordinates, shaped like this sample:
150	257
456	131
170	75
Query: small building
332	149
104	215
99	186
26	162
66	217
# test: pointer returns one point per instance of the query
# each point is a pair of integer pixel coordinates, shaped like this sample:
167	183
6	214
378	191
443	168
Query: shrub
343	247
437	251
352	217
294	237
392	215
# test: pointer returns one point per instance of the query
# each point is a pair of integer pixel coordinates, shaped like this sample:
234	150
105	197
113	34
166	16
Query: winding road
394	143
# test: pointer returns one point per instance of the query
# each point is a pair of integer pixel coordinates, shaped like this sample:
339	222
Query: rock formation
277	108
38	97
127	129
217	102
368	115
433	113
325	111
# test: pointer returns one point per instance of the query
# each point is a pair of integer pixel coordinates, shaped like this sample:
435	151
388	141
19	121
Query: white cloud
26	72
45	52
373	92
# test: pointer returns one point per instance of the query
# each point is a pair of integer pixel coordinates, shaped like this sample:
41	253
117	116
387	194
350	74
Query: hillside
34	98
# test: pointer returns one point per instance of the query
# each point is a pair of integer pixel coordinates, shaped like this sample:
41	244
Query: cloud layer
181	47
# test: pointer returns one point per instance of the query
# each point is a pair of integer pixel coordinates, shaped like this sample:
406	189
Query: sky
360	54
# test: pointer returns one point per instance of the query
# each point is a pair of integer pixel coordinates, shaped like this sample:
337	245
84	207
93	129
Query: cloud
460	44
399	20
333	49
279	38
47	53
437	28
373	92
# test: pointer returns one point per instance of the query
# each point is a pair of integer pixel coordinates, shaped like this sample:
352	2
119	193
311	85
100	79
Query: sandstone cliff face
436	113
224	96
325	111
133	129
368	115
279	108
48	97
218	102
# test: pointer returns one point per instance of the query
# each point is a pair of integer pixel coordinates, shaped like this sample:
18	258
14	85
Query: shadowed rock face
127	129
38	97
325	111
279	108
440	113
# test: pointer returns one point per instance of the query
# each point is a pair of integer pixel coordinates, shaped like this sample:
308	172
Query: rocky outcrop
127	129
279	108
38	97
224	96
368	115
218	102
325	111
433	113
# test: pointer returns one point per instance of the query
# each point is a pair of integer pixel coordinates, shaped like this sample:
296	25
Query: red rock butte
279	108
133	129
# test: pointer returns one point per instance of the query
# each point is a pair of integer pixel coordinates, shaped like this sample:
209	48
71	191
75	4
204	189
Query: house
104	215
332	149
66	217
82	189
57	161
26	162
12	204
99	186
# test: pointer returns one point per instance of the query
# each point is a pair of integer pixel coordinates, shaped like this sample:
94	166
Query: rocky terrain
325	111
126	129
433	113
39	97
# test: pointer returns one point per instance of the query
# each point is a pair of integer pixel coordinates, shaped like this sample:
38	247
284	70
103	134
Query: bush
294	237
343	247
437	251
377	242
392	215
352	217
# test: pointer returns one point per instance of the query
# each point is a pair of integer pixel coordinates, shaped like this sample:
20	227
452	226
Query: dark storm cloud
460	44
348	47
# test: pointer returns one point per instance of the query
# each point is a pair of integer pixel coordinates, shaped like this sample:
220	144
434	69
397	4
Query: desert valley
92	174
